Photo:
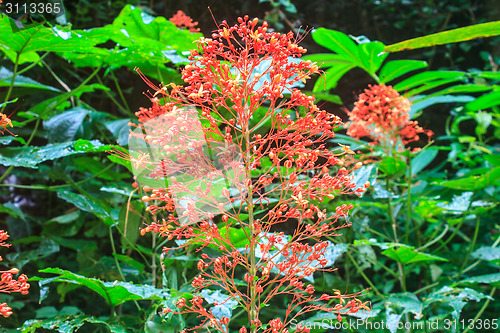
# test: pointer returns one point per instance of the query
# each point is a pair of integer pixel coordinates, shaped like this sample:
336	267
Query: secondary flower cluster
202	156
181	20
7	283
382	115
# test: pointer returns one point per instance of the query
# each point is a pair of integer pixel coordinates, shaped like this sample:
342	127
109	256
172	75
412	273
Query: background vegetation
70	91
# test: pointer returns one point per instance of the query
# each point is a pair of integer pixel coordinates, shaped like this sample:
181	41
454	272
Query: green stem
435	239
124	101
11	86
27	68
402	278
360	271
111	96
474	238
252	311
153	261
408	200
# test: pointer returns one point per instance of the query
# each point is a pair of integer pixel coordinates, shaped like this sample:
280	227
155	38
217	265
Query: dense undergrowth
424	235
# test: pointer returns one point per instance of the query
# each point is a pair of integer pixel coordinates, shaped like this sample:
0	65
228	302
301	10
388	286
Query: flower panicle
239	77
181	20
383	115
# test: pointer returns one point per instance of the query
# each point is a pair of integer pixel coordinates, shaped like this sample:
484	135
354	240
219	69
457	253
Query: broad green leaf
76	244
115	293
487	253
463	89
456	298
431	85
428	77
408	301
120	130
423	159
129	221
473	183
331	77
407	254
392	166
484	102
328	59
12	210
22	81
396	68
46	248
87	204
338	42
428	101
372	56
65	126
65	323
121	292
447	37
30	157
367	173
492	279
40	38
328	98
130	261
45	108
141	40
493	159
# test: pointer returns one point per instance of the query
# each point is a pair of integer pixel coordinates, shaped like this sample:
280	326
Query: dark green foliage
424	237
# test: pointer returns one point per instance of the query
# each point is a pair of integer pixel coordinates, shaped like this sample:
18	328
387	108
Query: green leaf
87	204
447	37
484	102
408	301
426	102
130	261
76	244
392	166
30	157
338	42
426	78
328	59
68	324
423	159
65	126
473	183
115	293
367	173
492	279
372	56
396	68
40	38
407	254
331	77
487	253
129	221
21	81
